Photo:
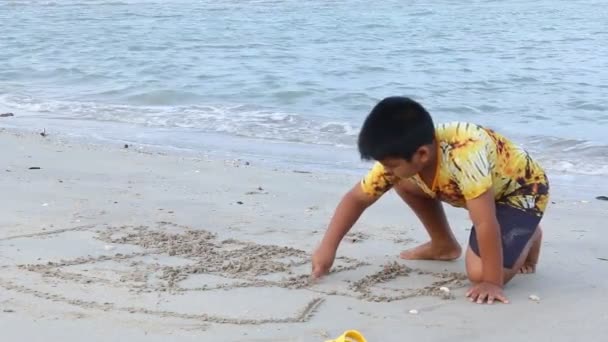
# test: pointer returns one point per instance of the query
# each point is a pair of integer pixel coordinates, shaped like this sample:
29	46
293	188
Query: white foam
234	120
557	155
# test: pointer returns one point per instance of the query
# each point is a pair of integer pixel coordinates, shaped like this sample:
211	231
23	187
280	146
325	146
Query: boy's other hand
489	292
322	260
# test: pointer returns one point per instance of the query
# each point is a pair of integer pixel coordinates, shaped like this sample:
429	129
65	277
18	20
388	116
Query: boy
463	164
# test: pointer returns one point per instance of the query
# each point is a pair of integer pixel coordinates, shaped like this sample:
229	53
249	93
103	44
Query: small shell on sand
414	312
444	289
108	247
534	297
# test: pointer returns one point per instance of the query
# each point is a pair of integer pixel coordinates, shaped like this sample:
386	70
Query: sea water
292	81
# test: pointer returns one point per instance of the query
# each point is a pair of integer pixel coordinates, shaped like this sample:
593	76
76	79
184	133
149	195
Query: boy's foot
527	268
427	251
532	258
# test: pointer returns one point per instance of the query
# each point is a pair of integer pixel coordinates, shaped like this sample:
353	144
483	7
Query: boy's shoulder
459	134
463	134
459	129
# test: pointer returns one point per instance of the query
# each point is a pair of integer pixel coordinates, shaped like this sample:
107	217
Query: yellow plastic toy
350	336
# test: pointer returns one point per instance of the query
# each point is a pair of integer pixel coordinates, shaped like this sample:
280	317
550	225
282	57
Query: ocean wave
583	167
558	155
73	3
568	155
238	120
162	98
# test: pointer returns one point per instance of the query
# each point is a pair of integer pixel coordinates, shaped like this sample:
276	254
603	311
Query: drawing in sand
170	260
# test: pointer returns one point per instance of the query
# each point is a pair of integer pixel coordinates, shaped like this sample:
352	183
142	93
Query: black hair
395	128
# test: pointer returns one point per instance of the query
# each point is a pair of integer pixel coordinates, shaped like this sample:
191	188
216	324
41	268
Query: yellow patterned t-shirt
471	160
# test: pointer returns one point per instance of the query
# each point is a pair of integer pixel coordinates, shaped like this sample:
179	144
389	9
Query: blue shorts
517	226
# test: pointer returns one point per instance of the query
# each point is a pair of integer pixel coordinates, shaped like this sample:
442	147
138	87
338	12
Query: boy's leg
521	240
532	259
443	244
474	264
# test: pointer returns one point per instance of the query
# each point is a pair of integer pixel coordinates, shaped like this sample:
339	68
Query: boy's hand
322	259
486	291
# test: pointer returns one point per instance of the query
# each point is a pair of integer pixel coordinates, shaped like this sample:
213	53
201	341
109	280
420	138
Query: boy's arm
482	211
352	205
471	165
350	208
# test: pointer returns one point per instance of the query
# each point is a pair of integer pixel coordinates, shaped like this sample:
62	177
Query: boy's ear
423	153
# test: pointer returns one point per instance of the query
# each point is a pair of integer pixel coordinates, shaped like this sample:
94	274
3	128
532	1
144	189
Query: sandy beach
107	243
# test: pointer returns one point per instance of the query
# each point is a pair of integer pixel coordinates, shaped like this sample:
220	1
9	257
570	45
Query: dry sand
102	243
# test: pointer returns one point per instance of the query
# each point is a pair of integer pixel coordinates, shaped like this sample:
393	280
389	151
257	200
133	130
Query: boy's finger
490	299
502	298
482	298
317	272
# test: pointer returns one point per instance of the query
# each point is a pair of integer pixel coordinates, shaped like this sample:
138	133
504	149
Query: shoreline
278	155
110	243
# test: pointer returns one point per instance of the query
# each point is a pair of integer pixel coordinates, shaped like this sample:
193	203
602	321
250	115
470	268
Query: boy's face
405	169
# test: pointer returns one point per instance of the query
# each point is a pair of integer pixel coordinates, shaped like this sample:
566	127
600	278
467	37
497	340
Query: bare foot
527	268
532	258
427	251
